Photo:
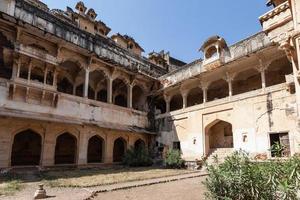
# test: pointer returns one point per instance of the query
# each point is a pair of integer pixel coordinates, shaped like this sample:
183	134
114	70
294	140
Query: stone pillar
29	71
109	147
230	88
129	95
263	66
290	55
86	83
82	147
45	75
49	146
229	78
74	89
55	77
263	80
96	94
109	89
167	100
6	140
18	68
204	90
184	99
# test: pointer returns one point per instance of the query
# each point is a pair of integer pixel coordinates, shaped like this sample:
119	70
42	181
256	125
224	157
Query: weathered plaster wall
250	115
50	131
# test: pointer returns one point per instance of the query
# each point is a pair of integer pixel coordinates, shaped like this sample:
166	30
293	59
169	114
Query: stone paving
187	189
91	192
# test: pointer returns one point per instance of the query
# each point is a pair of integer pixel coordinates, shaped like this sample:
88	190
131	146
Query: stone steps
220	154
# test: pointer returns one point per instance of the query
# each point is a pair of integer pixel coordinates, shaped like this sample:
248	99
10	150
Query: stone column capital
204	85
167	98
229	77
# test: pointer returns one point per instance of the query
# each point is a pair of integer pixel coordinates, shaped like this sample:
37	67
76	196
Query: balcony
278	18
213	62
33	92
28	99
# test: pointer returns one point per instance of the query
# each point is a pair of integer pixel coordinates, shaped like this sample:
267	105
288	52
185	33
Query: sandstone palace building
72	93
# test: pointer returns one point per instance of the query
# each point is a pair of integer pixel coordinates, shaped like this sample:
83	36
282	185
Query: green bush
173	159
137	157
277	149
238	178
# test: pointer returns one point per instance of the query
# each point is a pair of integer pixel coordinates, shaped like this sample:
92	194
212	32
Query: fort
71	94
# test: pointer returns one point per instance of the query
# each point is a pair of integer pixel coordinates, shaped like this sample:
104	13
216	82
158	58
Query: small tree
137	157
173	159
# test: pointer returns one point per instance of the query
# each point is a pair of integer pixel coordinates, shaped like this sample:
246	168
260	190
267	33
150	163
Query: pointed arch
96	146
66	149
26	148
120	146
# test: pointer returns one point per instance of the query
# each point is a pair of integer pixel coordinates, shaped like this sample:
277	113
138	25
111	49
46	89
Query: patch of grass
97	177
10	187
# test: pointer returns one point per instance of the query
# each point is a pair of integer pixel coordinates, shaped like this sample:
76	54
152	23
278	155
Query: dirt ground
189	189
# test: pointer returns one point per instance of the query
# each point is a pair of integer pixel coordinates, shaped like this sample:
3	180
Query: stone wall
49	131
253	116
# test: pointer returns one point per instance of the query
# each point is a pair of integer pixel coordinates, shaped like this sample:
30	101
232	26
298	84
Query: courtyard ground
188	189
81	184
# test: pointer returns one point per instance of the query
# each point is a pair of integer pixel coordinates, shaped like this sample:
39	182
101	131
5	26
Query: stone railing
226	100
34	101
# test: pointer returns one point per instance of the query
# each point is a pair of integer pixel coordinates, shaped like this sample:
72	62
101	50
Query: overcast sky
178	26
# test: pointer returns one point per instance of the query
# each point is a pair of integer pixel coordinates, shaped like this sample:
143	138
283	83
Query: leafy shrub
173	159
277	149
238	178
137	157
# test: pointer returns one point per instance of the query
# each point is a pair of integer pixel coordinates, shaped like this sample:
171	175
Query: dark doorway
26	149
95	149
283	140
65	149
119	150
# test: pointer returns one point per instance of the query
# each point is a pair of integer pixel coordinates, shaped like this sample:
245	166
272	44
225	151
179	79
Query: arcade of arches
250	79
31	147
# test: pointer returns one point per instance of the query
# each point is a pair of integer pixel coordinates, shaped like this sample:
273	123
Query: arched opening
160	106
246	81
98	85
102	96
37	74
65	149
195	97
277	71
138	98
218	135
79	90
119	149
95	149
5	68
91	93
26	149
176	102
70	72
211	52
217	90
139	144
65	86
121	100
120	92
